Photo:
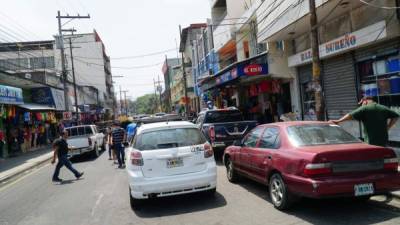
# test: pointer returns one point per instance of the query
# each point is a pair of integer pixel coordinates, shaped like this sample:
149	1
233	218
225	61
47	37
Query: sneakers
57	180
79	175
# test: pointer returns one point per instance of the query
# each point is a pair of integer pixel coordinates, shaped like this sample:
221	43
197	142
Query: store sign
342	44
67	115
227	76
253	69
11	95
49	96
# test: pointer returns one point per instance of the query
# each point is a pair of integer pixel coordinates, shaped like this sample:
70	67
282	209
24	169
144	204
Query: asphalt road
101	197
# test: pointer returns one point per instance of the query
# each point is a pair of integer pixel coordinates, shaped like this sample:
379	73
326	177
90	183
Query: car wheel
135	203
278	192
231	173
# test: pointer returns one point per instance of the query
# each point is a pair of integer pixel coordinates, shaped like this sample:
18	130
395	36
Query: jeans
120	151
64	161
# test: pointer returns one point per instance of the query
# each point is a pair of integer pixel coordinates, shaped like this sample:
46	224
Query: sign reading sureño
344	43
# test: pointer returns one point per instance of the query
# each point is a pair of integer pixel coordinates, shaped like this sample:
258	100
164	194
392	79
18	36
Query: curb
4	180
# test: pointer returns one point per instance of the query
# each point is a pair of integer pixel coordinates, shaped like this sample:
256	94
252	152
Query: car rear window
327	134
79	131
168	138
223	116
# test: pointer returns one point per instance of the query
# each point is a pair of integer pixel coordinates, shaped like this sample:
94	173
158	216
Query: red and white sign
67	115
253	69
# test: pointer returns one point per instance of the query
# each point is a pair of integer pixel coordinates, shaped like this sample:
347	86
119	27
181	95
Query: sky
127	28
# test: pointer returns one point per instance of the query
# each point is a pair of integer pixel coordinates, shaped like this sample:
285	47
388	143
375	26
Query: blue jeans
120	151
64	161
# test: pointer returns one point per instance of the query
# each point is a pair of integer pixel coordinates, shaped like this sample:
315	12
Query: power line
379	7
134	56
121	67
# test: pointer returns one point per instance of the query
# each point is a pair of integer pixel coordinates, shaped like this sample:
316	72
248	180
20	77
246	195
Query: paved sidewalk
14	166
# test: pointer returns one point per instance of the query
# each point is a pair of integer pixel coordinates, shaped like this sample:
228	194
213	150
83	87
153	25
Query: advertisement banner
49	96
11	95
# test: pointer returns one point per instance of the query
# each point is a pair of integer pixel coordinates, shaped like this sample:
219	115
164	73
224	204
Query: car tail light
136	158
211	133
208	151
90	141
317	169
391	164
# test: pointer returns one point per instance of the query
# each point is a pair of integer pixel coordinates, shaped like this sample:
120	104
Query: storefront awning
254	66
36	107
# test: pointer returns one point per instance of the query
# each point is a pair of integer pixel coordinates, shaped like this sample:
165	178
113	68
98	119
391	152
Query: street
101	197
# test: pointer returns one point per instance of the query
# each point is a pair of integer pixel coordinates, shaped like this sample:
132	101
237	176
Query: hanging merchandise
276	87
2	111
27	116
253	90
265	86
38	116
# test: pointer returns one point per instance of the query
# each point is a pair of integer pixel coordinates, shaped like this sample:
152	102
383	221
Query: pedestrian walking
60	147
374	118
118	138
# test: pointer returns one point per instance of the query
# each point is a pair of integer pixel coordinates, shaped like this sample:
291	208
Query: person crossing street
60	147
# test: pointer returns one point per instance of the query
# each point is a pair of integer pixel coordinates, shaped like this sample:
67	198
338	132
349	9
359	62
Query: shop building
168	72
359	54
188	37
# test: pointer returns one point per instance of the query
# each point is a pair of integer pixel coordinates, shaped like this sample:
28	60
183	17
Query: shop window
308	101
380	78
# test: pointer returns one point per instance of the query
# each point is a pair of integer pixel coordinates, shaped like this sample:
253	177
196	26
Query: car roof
80	126
296	123
164	125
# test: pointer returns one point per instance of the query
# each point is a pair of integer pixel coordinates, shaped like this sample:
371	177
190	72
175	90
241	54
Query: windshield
223	116
307	135
170	138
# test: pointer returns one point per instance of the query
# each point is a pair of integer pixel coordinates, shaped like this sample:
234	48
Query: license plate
363	189
175	162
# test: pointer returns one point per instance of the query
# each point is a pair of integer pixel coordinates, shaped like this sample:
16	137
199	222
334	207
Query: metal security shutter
382	49
305	73
340	87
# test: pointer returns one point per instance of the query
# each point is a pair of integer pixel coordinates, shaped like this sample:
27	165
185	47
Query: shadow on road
178	205
332	211
85	158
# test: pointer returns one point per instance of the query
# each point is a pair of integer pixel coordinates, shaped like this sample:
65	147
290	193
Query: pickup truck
222	127
85	139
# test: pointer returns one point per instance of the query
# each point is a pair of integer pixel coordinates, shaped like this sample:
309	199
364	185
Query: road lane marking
97	203
22	176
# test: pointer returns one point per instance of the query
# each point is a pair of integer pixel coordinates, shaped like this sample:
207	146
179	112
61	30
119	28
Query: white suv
169	158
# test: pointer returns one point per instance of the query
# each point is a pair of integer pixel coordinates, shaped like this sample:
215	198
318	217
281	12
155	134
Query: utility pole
120	98
73	76
160	90
155	93
184	78
125	103
61	42
316	64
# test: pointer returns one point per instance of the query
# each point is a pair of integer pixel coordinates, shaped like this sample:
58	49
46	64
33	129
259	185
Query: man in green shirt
374	118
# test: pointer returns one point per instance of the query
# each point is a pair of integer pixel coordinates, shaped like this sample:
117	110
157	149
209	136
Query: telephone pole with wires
61	46
316	64
184	78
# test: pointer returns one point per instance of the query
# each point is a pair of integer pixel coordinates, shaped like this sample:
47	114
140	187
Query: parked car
169	158
222	127
312	159
85	139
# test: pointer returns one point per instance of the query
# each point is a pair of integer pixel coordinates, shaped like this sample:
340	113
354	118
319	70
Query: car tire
279	194
231	173
136	204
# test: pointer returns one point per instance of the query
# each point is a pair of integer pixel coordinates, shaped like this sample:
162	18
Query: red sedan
312	159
